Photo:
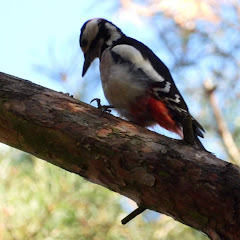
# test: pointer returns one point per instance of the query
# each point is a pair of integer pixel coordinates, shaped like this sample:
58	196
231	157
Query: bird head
96	35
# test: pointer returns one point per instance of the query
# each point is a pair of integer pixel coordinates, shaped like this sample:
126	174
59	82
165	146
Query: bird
136	83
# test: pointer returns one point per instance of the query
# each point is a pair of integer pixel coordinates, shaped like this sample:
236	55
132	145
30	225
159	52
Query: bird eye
84	43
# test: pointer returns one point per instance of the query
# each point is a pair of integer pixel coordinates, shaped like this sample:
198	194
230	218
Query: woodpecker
135	81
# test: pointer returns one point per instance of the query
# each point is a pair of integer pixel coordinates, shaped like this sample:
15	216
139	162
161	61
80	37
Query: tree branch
157	172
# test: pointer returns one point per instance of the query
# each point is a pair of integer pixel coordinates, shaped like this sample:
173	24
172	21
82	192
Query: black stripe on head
96	29
110	33
104	27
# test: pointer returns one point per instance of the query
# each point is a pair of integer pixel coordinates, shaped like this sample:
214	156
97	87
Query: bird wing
161	85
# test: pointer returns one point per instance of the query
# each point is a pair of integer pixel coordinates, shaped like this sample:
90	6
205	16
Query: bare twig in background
178	10
223	130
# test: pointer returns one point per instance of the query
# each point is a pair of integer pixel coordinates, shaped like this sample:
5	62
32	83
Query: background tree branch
160	173
222	127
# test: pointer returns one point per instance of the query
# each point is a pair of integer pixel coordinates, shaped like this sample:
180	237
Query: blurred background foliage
199	40
41	201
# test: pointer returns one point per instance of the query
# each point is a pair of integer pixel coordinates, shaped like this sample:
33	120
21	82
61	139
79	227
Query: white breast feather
120	86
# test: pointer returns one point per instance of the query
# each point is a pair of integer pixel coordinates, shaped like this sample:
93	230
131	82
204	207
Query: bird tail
164	118
199	143
198	131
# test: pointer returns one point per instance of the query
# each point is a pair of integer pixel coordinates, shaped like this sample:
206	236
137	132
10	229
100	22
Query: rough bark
163	174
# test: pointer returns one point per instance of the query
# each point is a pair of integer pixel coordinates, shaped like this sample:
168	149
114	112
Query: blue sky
30	28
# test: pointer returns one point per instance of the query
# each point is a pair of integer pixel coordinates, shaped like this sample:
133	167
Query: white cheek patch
131	54
114	34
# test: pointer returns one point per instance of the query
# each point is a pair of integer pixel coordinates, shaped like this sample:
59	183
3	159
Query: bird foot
67	94
103	108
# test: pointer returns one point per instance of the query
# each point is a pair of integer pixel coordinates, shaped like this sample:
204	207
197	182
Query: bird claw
67	94
103	108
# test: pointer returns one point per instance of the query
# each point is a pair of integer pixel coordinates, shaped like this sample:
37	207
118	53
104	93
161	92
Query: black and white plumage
135	81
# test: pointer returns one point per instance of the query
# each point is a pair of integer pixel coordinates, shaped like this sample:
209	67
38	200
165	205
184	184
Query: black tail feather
198	131
197	128
196	138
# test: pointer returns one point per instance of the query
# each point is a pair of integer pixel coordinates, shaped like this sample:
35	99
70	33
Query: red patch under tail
162	116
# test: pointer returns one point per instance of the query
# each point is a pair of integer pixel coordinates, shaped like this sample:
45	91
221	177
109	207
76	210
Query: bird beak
86	64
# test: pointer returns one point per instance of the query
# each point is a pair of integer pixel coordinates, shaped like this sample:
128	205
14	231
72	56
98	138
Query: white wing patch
176	99
114	34
166	89
131	54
